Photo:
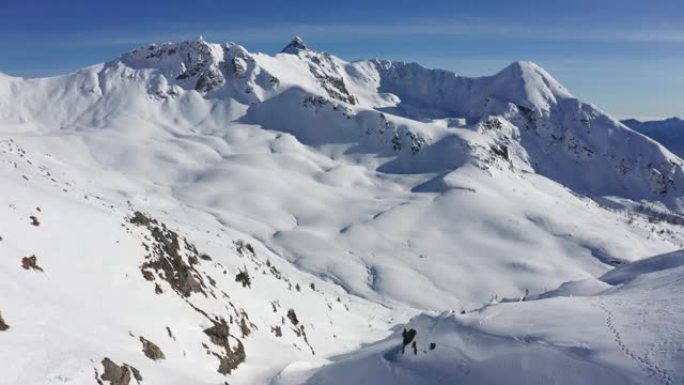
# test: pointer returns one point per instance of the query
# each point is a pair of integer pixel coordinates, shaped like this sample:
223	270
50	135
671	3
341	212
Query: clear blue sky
625	56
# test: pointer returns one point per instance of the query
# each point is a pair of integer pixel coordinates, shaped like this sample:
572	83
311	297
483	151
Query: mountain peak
296	45
524	66
527	70
528	83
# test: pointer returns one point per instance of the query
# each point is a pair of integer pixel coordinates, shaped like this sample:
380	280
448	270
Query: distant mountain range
669	132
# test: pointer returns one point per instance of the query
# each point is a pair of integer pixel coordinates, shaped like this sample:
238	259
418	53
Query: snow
376	195
611	337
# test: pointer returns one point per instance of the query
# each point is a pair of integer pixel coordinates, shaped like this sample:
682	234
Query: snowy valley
195	213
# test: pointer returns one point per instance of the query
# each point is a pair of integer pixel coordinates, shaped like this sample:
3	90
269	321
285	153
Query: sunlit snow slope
279	219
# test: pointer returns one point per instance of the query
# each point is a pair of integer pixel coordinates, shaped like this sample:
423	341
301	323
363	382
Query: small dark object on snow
34	220
30	263
119	375
408	337
243	277
293	317
3	326
151	350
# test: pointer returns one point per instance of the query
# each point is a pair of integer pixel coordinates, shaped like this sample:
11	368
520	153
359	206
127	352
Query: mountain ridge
235	80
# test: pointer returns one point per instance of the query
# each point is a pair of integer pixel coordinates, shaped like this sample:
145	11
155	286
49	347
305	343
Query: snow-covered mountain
669	132
195	213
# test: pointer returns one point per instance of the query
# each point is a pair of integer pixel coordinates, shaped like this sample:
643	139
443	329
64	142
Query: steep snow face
437	92
368	192
562	138
323	67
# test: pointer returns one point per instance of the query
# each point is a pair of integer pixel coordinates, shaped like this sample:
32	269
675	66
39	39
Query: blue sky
625	56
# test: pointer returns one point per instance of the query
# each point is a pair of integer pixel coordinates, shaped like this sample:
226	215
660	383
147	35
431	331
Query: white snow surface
529	235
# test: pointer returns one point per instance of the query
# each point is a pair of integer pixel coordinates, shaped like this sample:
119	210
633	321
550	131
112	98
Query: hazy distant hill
669	132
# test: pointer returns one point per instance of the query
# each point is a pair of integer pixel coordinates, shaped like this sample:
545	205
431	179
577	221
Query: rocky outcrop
151	350
3	325
118	374
231	357
296	45
30	263
168	260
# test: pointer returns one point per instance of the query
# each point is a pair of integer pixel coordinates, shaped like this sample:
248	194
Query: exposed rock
244	327
3	325
34	220
292	316
151	350
218	334
30	263
166	257
243	248
119	375
296	44
408	336
231	358
243	277
141	219
147	274
210	80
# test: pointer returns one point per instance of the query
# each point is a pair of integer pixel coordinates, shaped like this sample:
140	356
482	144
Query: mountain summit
296	44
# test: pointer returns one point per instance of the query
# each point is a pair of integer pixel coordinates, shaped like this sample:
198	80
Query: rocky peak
296	45
194	64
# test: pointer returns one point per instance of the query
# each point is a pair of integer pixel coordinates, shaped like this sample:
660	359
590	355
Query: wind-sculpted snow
196	213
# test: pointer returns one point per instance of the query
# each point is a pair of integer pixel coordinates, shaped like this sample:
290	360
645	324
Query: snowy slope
369	192
623	333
